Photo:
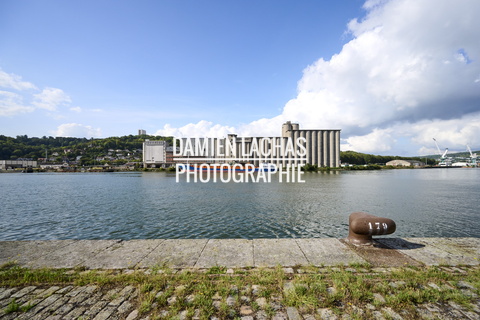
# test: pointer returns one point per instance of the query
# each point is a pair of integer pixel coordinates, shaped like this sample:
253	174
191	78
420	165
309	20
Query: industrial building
154	153
12	164
321	147
318	147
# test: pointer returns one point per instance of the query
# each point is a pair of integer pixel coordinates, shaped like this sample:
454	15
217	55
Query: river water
146	205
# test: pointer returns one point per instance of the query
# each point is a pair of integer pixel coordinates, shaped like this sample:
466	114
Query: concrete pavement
238	253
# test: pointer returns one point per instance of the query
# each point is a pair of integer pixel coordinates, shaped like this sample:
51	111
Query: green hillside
85	151
357	158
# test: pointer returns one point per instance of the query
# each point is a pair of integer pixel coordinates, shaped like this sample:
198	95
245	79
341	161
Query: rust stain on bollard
362	226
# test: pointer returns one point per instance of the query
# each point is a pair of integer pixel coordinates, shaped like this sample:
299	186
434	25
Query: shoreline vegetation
306	168
138	168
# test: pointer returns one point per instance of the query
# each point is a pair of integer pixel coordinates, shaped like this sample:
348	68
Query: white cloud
379	140
263	127
12	104
77	130
393	70
51	98
410	67
13	81
17	91
76	109
454	134
201	129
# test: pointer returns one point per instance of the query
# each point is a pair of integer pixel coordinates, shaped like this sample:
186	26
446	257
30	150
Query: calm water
423	203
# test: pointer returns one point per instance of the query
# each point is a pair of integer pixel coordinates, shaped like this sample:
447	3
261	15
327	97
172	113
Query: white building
11	164
405	163
154	153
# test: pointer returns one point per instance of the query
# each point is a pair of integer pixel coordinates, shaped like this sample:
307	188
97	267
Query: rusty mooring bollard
361	227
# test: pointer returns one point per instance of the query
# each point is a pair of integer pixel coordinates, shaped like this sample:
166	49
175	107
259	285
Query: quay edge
238	253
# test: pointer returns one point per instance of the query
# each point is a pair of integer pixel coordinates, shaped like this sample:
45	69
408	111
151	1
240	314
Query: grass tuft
14	306
217	270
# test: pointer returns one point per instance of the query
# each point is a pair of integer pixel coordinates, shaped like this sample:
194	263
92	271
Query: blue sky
379	70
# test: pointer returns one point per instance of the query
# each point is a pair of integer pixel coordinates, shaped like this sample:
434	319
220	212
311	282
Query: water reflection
424	203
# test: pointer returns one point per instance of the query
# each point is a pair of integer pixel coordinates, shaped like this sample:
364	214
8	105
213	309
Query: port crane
473	156
444	161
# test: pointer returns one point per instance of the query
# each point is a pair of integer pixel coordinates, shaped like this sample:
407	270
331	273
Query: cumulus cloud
19	96
394	69
379	139
51	98
201	129
410	64
11	101
76	109
13	81
77	130
454	134
261	127
12	104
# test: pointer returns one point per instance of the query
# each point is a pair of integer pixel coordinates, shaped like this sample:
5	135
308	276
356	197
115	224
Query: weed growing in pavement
14	306
217	270
165	293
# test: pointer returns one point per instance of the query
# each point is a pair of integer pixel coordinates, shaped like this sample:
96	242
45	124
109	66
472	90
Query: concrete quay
238	253
457	257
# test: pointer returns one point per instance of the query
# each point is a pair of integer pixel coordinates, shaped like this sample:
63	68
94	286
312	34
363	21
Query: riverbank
307	168
297	279
238	253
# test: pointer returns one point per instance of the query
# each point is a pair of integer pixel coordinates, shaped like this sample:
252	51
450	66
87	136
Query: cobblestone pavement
123	302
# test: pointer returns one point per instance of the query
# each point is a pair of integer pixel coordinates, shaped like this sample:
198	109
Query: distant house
129	166
405	163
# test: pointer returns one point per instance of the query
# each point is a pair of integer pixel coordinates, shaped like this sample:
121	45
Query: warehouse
154	153
12	164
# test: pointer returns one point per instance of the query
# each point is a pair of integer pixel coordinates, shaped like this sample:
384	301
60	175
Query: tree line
357	158
24	147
